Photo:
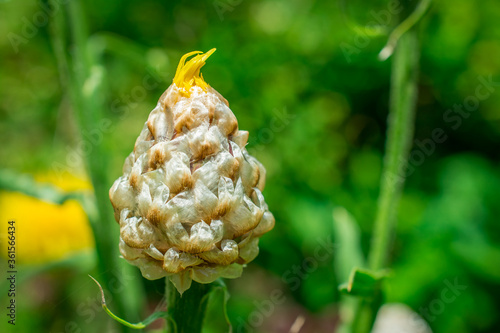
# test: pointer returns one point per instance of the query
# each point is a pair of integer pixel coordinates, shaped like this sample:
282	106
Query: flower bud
190	203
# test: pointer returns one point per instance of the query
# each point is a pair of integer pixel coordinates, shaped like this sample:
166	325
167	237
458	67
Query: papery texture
190	203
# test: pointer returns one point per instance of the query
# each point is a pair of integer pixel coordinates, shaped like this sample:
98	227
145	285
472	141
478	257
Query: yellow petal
188	73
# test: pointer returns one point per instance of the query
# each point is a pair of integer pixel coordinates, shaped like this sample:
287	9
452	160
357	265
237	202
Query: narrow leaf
24	183
348	237
138	326
219	288
363	282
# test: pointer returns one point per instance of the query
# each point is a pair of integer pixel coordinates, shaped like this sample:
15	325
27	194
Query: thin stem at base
186	311
399	137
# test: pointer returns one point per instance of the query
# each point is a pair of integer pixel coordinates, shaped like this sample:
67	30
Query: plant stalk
403	96
186	311
399	141
83	82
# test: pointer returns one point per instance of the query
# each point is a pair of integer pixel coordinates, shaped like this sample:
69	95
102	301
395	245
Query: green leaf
219	294
24	183
401	29
363	282
139	325
347	236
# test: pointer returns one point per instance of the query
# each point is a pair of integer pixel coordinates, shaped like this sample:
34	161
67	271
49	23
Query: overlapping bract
189	202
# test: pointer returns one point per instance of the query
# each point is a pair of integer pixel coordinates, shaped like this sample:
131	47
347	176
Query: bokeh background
303	78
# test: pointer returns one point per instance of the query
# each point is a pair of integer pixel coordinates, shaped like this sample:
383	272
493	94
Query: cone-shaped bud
190	203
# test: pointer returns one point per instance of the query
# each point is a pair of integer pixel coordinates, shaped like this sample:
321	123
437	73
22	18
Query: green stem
186	311
84	84
401	29
399	140
398	145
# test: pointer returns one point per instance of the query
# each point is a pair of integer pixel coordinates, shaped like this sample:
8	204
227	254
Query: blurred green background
303	78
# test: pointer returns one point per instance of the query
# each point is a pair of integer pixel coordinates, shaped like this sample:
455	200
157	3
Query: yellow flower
44	231
188	74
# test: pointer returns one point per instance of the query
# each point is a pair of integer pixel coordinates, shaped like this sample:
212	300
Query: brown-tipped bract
190	203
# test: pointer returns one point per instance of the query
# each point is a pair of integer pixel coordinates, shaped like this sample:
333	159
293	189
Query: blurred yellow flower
44	231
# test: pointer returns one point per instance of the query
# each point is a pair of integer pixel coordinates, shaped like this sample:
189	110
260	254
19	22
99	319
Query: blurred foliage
317	120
